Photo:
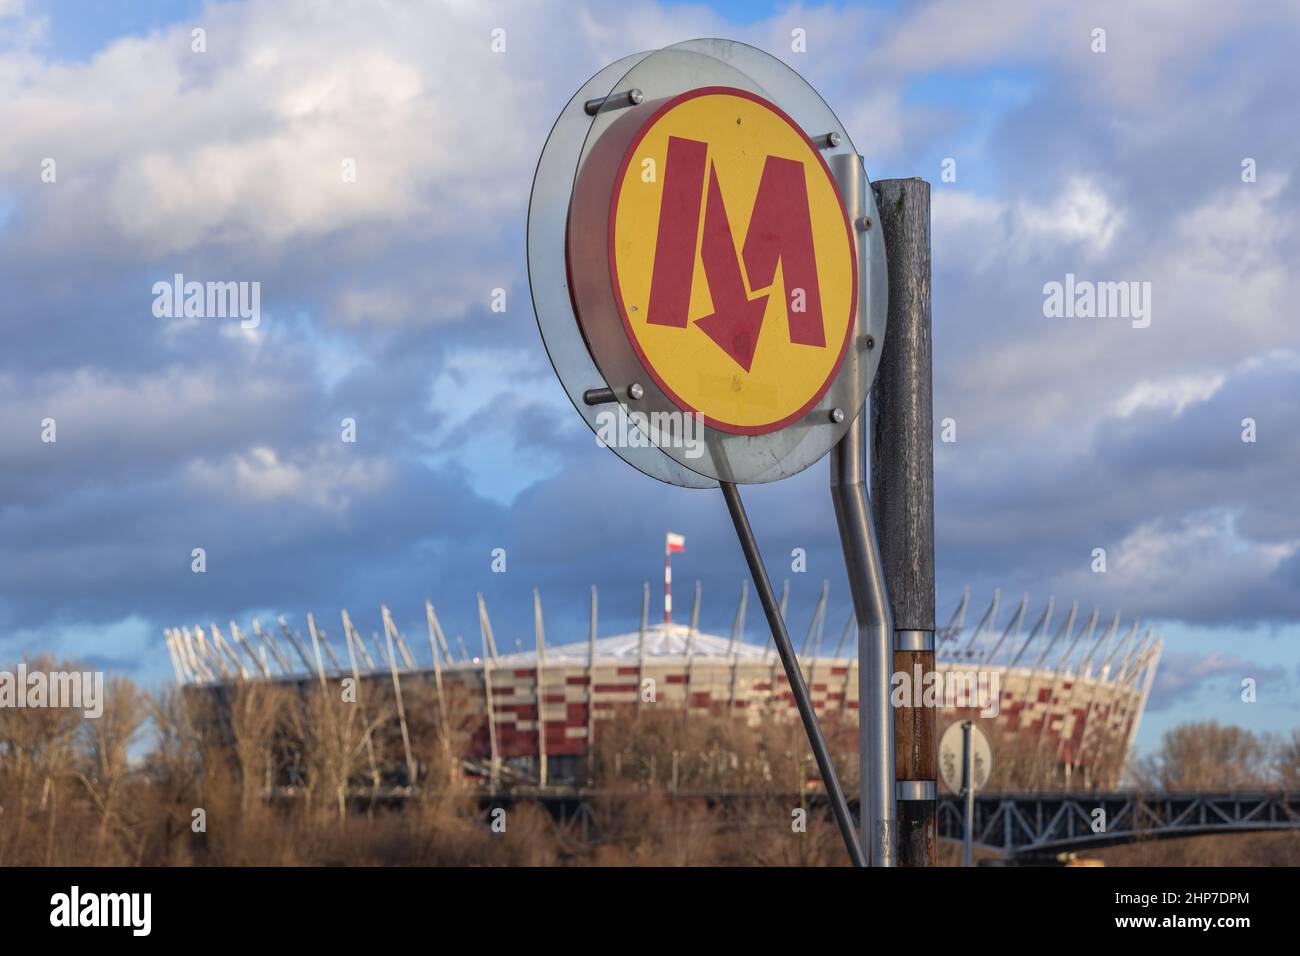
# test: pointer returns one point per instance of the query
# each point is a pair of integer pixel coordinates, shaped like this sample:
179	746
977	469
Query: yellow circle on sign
733	261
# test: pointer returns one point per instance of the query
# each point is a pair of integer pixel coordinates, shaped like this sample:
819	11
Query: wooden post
902	496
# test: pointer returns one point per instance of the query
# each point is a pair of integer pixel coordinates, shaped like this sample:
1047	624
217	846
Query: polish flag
676	542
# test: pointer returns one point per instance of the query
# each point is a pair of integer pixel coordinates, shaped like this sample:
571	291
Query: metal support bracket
875	642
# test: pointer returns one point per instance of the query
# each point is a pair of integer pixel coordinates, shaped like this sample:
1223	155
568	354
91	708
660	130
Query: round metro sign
733	261
704	267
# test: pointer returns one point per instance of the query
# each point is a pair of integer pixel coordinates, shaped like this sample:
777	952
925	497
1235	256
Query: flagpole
672	542
668	582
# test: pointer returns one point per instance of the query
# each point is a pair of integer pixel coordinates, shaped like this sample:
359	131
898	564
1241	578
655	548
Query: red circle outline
618	292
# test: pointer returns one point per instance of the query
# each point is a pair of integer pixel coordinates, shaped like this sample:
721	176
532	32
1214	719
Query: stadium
1069	688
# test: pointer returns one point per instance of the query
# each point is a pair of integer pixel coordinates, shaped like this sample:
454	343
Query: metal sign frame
599	368
602	373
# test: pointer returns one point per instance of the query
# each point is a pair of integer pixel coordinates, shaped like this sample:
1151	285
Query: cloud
1174	394
259	476
1181	677
229	165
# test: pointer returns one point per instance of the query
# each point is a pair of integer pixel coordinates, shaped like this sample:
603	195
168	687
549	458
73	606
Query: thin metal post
167	636
329	651
956	623
494	768
640	645
1146	692
389	630
1083	674
817	641
1097	686
356	646
1125	692
738	625
269	640
737	636
407	658
850	626
295	643
485	631
187	644
989	619
435	636
968	789
871	606
1053	692
1041	627
690	653
379	648
231	651
539	683
189	676
802	699
1014	624
1031	693
436	630
356	691
315	646
591	692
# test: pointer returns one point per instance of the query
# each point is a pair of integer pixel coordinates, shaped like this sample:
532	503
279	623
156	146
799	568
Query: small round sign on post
965	762
951	759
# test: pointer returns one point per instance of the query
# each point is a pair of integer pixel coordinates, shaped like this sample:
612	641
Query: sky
1167	158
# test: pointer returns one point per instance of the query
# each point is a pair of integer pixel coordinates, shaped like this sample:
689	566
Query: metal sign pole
875	644
968	786
612	275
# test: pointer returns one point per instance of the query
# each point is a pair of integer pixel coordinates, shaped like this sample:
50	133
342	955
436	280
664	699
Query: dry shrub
291	774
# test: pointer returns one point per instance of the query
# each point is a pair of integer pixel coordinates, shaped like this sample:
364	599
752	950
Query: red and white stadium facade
1077	689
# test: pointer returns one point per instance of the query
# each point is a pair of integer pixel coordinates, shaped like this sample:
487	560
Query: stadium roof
661	641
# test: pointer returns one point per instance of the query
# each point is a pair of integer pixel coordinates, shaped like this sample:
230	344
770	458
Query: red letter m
780	231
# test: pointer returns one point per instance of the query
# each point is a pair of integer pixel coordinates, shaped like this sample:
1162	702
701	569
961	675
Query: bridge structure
1040	827
1022	827
1043	826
